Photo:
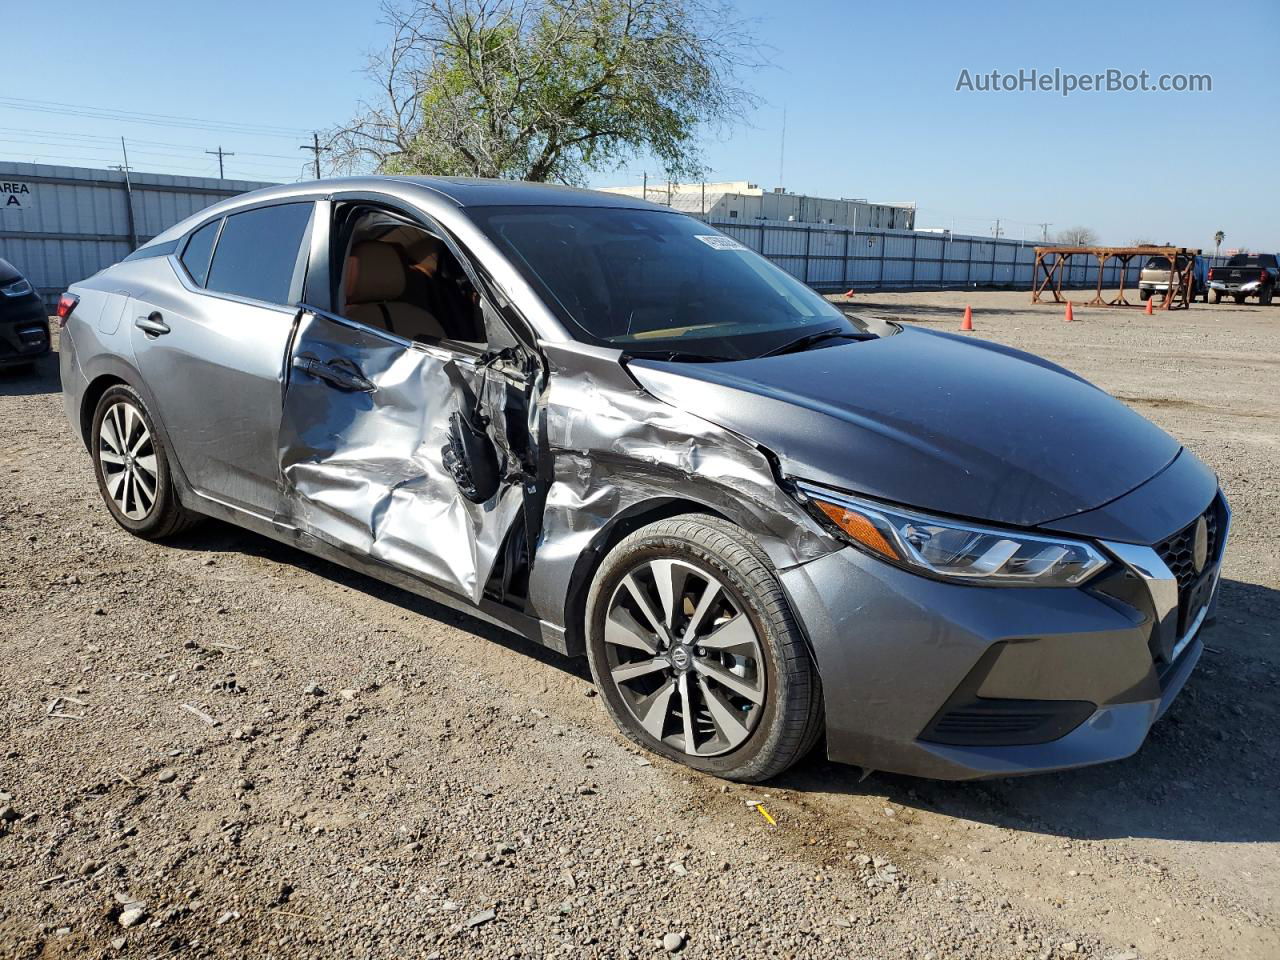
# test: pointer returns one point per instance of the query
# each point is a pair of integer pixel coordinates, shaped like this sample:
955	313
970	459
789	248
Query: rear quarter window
198	251
260	252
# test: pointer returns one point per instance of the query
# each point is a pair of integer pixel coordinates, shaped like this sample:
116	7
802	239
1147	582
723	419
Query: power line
154	166
137	140
152	119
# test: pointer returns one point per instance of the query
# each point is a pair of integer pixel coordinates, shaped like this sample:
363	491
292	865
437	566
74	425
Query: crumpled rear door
365	423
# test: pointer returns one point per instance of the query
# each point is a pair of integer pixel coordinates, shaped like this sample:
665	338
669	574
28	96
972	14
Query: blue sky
869	93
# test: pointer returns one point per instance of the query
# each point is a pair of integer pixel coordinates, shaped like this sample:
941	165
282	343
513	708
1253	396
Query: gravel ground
221	747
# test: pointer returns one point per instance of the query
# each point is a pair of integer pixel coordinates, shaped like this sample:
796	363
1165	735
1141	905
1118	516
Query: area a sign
14	195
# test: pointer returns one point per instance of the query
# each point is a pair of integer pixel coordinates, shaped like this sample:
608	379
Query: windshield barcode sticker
717	242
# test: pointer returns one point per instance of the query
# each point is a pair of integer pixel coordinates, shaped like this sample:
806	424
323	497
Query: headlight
954	550
19	288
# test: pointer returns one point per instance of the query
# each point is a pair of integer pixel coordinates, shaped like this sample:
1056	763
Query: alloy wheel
685	657
127	457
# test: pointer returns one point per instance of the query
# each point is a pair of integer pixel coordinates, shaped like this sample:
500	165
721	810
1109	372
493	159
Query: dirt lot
387	778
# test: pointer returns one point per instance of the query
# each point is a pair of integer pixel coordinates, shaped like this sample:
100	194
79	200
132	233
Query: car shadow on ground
214	536
36	379
1206	773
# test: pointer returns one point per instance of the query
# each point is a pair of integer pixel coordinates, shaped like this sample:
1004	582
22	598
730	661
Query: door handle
338	372
152	325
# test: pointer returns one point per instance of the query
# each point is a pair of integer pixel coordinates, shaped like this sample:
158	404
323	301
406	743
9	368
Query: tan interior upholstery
374	282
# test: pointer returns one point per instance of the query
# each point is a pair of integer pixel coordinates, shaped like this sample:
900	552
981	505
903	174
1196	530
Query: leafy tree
1217	241
1078	237
548	89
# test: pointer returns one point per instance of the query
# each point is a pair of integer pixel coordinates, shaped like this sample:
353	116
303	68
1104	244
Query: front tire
696	653
132	467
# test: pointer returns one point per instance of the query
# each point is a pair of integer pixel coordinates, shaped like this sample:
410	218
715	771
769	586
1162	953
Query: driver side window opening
398	276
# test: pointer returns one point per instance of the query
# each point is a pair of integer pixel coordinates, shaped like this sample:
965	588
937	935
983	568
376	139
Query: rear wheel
1144	294
132	467
1212	296
696	653
1265	296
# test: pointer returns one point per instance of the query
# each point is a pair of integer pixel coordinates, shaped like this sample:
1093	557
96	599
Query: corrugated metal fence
61	224
830	257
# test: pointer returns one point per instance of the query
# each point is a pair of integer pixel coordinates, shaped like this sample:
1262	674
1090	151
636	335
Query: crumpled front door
363	435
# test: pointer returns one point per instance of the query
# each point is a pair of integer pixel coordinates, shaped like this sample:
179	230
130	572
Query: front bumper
1086	672
24	331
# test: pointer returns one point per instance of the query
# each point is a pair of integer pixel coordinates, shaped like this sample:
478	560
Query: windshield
649	281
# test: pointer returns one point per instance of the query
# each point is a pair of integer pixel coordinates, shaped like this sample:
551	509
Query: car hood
930	420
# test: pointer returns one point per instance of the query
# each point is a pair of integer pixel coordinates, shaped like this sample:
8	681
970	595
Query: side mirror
471	459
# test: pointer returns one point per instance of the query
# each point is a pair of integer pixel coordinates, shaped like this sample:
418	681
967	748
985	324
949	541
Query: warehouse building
62	224
742	200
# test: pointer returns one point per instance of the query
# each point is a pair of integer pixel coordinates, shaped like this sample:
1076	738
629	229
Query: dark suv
24	324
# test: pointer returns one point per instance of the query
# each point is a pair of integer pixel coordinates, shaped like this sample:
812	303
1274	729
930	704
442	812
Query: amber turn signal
859	528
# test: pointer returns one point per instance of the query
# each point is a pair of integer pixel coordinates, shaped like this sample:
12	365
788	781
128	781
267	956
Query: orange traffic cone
967	322
848	294
1070	317
1148	310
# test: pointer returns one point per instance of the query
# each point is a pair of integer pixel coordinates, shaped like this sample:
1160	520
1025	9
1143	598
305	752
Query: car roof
460	192
478	192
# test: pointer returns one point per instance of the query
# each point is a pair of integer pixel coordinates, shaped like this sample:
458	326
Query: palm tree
1217	241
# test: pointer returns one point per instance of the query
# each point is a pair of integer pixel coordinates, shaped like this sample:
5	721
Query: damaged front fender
616	453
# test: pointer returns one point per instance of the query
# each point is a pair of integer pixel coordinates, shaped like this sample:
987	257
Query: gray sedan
614	430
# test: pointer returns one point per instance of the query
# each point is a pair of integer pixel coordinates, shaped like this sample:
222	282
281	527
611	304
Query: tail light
1263	277
1211	273
66	303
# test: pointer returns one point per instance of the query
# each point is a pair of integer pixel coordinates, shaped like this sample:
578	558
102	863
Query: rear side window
1252	260
199	248
260	252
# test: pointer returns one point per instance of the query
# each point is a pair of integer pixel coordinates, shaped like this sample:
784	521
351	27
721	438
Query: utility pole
1044	231
219	153
317	150
644	174
996	231
128	190
782	149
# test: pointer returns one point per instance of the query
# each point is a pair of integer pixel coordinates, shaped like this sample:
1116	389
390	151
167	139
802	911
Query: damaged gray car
610	428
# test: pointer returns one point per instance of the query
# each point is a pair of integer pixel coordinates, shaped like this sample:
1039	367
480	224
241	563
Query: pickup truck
1245	275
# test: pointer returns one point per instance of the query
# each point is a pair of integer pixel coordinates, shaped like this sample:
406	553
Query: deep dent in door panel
578	448
364	472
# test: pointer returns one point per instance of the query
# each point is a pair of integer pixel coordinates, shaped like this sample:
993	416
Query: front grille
1178	551
1194	586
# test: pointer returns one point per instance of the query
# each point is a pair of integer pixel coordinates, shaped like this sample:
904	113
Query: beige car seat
374	282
